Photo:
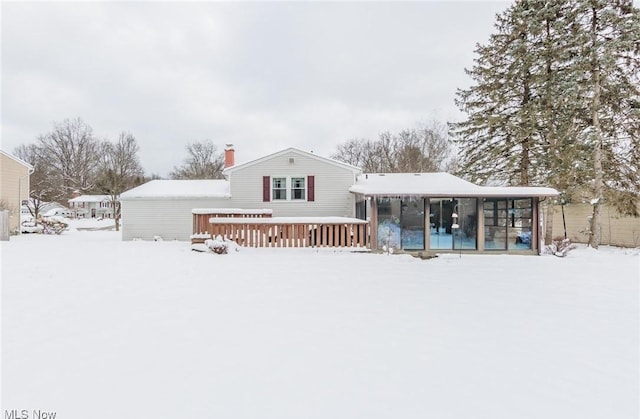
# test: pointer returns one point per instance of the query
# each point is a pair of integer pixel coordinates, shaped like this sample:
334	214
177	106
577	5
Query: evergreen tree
607	65
555	101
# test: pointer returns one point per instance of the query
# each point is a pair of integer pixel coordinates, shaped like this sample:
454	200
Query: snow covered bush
559	247
218	245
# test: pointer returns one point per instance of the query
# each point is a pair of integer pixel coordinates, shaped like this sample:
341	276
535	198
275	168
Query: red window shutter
266	188
311	188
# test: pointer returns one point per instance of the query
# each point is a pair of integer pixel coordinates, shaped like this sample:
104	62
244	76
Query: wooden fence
292	231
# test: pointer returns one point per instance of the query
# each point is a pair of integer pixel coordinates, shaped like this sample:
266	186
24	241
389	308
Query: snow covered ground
93	327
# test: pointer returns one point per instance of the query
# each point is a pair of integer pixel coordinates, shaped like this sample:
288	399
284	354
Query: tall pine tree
555	102
607	65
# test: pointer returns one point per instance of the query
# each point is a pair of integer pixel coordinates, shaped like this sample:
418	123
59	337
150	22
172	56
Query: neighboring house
91	206
14	186
58	212
409	211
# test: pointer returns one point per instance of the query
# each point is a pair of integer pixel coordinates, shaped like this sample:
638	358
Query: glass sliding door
401	223
520	223
412	223
388	223
508	224
495	224
440	232
442	235
467	232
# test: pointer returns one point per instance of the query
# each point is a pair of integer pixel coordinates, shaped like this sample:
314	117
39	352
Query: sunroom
439	212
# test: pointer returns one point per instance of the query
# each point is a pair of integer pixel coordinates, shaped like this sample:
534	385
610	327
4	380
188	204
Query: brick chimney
229	155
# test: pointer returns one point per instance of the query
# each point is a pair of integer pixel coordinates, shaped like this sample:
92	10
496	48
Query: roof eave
228	170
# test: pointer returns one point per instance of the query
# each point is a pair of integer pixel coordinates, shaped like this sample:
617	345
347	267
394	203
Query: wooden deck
288	231
201	216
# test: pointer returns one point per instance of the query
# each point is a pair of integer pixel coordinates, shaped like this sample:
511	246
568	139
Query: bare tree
43	187
425	148
72	153
203	162
119	171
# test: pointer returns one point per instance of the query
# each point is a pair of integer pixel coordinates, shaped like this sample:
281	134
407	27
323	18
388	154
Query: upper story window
285	188
298	188
279	188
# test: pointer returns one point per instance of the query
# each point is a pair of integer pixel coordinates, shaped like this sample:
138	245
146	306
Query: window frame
293	189
308	182
283	188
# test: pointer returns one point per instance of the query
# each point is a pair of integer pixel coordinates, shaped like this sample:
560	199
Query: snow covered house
408	211
91	206
14	186
294	183
290	183
163	208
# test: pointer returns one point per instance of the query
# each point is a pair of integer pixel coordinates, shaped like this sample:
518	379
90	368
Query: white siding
332	183
170	219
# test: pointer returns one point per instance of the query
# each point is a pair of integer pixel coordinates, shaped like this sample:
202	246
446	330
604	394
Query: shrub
559	247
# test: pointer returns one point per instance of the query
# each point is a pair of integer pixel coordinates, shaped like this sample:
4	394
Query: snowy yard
93	327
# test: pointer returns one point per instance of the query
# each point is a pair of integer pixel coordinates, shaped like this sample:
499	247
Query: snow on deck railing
287	220
201	215
200	236
292	231
235	211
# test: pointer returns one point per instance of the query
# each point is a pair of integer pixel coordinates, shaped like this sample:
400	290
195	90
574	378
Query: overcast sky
263	76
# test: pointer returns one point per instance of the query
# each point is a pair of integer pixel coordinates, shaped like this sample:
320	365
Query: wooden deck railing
292	231
201	216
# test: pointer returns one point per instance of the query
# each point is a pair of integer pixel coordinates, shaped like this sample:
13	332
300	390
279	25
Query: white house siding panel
170	219
332	183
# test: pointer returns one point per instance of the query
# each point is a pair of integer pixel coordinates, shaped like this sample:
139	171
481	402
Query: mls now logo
24	414
16	414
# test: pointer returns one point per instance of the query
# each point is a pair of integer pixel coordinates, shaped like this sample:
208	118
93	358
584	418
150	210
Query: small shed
163	208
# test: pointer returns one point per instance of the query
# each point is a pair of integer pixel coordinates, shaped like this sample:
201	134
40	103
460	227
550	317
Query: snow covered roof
176	189
55	211
518	191
91	198
436	185
297	151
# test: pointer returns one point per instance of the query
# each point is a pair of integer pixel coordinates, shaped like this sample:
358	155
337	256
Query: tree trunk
594	228
548	225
